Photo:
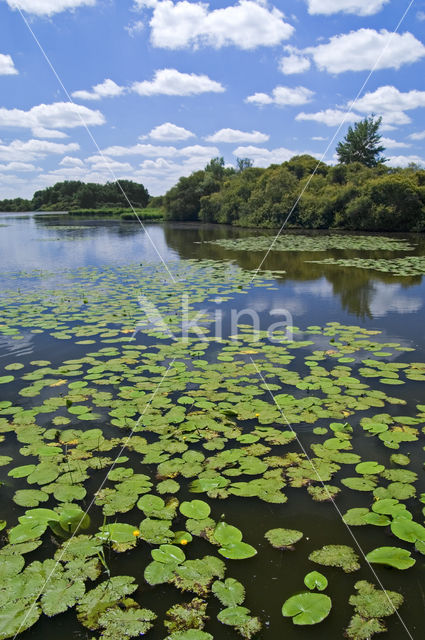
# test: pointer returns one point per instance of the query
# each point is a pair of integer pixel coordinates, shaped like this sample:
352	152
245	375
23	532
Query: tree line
73	194
359	193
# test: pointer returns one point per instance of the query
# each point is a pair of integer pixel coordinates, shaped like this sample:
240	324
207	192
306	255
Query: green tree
362	144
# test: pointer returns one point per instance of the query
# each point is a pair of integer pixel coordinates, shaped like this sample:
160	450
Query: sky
151	90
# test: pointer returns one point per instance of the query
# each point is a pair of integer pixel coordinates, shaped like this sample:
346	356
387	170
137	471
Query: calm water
314	294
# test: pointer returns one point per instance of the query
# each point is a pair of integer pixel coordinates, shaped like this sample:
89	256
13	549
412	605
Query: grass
148	214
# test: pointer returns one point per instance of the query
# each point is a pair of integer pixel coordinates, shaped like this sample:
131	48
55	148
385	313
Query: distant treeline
345	196
73	194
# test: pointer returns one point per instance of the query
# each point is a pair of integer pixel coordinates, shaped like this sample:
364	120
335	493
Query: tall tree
362	144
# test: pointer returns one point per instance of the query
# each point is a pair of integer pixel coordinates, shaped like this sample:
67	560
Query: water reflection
55	241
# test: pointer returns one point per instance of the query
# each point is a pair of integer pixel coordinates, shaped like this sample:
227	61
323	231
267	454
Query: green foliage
362	144
73	194
363	195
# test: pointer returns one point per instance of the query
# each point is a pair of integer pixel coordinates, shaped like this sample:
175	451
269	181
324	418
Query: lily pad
391	557
307	608
283	538
335	555
315	580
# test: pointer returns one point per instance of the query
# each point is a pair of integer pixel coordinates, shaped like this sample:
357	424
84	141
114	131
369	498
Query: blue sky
164	85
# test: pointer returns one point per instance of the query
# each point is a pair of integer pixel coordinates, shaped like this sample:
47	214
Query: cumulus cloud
264	157
155	151
169	132
330	117
283	97
170	82
419	135
48	7
247	25
358	7
235	136
26	151
390	99
295	62
389	143
7	66
42	132
19	167
106	89
404	161
59	115
360	50
69	161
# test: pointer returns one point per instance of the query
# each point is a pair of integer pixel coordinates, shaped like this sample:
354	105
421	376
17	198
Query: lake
164	353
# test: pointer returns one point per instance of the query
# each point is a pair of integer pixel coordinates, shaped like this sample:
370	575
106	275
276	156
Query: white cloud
169	132
264	157
358	7
294	62
7	66
41	132
420	16
103	163
156	151
106	89
420	135
361	50
282	96
48	7
390	99
247	24
59	115
69	161
170	82
19	166
319	138
404	161
389	143
20	151
235	136
329	117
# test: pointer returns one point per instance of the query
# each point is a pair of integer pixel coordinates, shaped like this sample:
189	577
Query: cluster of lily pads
408	266
317	242
109	443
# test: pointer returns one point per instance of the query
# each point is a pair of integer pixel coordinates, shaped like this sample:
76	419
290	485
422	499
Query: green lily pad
196	509
391	557
315	580
307	608
231	593
335	555
283	538
168	553
238	551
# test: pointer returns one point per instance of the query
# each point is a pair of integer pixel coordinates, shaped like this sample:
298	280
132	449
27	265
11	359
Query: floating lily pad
391	557
283	538
315	580
339	556
307	608
196	509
